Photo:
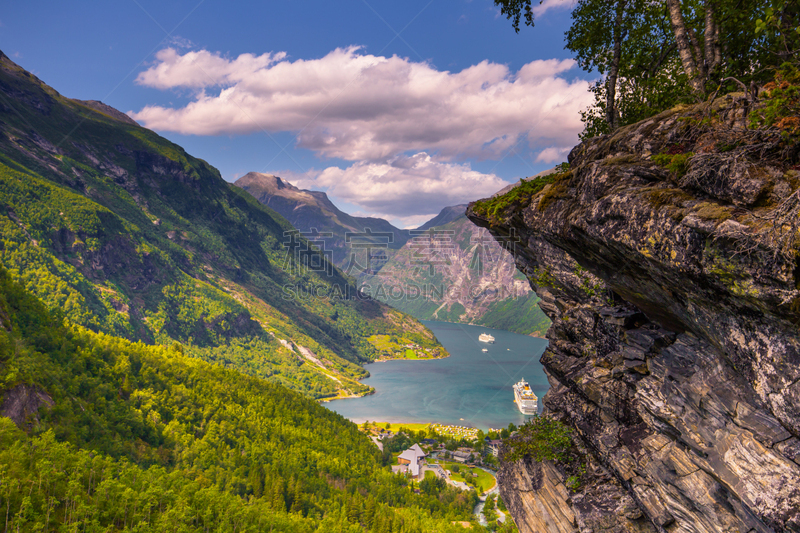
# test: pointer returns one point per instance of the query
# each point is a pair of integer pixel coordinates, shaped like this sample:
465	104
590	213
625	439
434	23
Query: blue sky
396	109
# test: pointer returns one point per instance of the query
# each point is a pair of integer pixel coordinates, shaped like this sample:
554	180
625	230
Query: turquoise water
470	388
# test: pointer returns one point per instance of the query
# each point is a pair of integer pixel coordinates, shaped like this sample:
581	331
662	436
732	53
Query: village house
494	446
412	459
461	457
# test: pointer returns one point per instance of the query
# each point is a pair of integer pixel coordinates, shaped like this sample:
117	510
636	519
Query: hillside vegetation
127	234
129	437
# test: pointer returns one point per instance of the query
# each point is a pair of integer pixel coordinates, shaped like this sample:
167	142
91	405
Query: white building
494	446
413	457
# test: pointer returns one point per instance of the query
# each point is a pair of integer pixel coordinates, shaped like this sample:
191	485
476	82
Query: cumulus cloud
412	187
553	154
357	106
202	69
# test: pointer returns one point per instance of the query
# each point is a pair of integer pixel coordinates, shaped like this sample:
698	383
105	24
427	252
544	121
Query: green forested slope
126	234
142	438
520	315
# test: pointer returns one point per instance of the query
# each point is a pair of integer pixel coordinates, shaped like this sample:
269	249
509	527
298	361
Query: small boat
485	337
484	350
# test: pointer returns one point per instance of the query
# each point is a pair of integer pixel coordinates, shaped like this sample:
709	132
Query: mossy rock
553	192
713	211
620	160
658	198
678	164
492	209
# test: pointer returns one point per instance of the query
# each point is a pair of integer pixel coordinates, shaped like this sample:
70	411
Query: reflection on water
470	388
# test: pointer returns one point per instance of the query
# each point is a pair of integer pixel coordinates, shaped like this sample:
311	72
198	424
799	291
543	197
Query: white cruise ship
485	337
526	400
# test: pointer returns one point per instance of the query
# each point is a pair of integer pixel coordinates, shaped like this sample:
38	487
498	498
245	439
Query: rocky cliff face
456	272
666	258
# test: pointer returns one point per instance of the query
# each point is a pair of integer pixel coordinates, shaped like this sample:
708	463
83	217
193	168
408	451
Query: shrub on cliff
542	438
782	103
493	209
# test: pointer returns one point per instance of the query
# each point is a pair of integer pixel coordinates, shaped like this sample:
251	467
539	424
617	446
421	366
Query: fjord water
469	388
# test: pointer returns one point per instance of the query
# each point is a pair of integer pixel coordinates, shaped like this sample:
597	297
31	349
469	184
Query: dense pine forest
160	351
144	438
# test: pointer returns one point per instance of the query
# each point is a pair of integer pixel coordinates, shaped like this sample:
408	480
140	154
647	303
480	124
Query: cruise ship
485	337
526	400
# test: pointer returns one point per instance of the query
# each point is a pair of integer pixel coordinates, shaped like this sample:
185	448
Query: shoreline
408	359
417	426
423	400
353	396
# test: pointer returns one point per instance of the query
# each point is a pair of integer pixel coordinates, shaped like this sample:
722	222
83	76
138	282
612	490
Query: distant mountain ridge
307	210
493	293
445	216
456	272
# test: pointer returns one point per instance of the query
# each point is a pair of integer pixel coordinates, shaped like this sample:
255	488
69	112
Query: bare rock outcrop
672	283
21	404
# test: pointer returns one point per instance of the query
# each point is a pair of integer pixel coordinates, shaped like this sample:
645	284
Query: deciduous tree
653	55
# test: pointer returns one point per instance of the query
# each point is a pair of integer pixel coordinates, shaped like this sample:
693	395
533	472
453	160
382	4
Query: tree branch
611	86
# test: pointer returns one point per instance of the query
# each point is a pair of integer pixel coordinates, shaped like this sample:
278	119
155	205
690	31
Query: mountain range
313	214
123	232
448	269
457	272
153	321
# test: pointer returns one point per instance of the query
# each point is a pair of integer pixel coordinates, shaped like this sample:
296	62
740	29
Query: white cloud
546	5
202	69
357	106
553	154
180	42
408	187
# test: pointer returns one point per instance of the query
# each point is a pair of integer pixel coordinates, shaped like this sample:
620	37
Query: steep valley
125	233
447	269
163	348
